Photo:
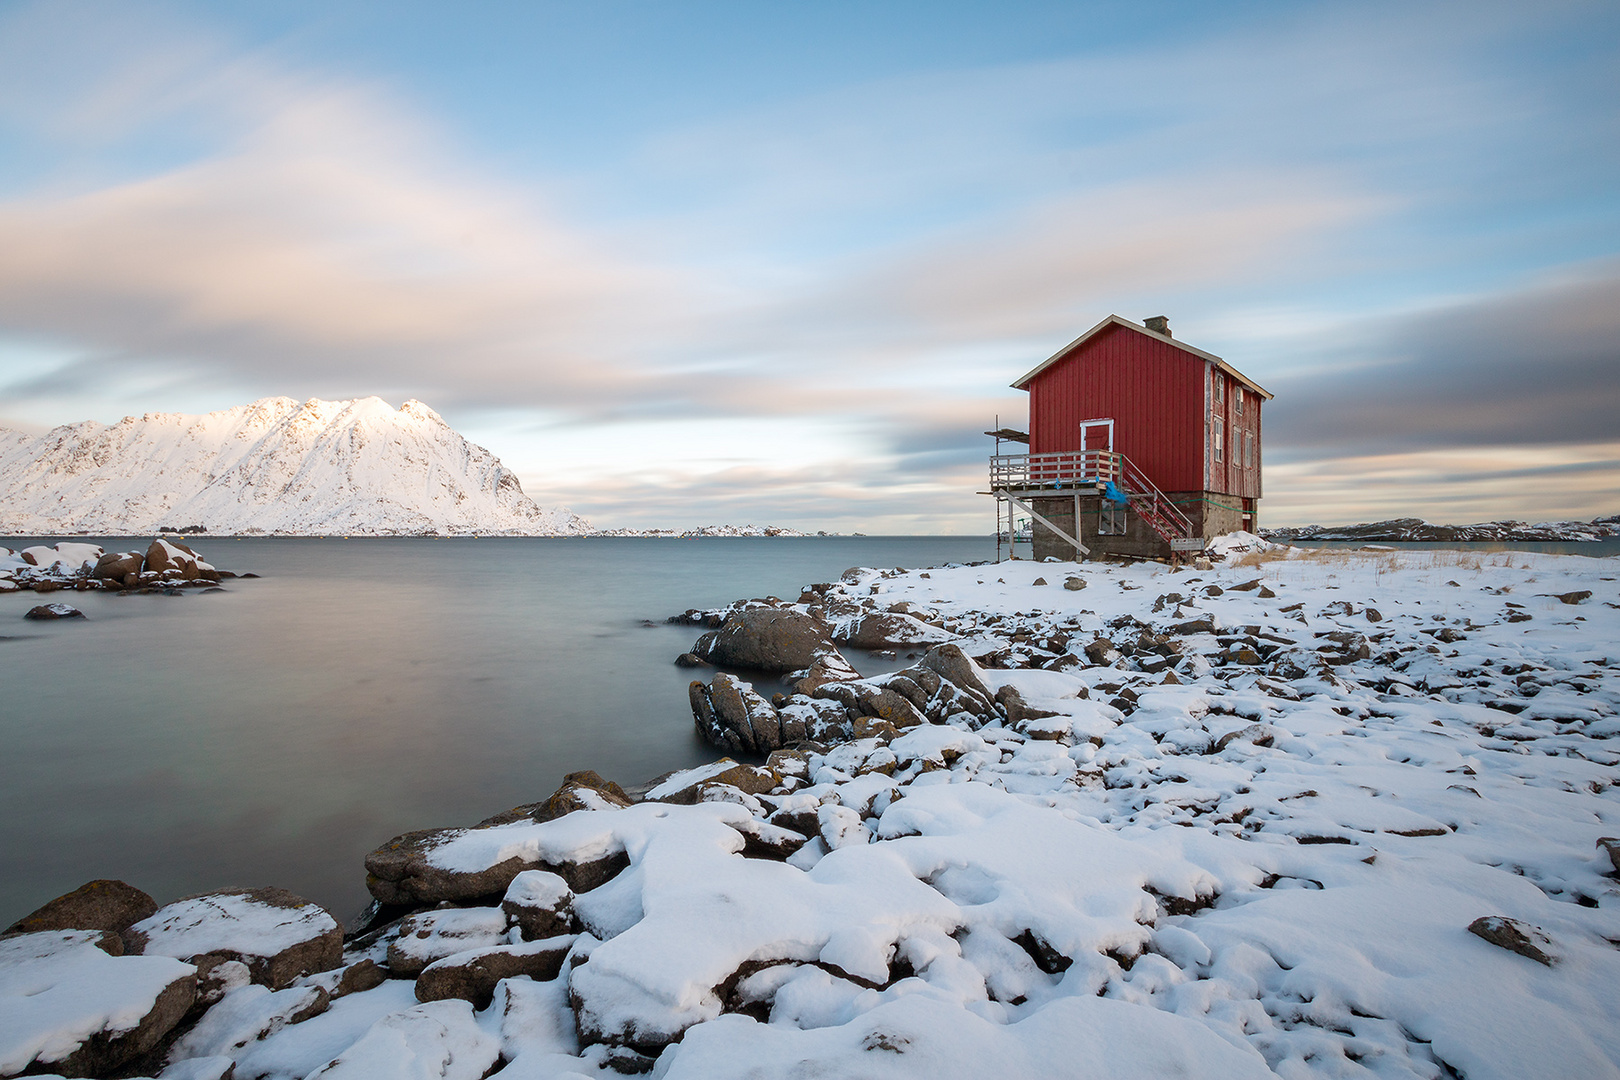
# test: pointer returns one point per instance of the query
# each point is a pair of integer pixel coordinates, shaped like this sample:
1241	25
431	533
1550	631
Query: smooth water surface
273	733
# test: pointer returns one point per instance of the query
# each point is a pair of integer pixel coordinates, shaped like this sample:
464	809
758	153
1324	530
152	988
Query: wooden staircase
1154	507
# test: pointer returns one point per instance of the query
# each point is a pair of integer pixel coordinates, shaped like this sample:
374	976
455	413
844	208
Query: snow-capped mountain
275	466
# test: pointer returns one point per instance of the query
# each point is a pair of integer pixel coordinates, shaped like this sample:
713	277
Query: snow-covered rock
275	466
428	936
278	935
440	1040
68	1004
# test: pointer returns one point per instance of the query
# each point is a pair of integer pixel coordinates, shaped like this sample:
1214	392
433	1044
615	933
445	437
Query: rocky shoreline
1283	816
1417	530
165	564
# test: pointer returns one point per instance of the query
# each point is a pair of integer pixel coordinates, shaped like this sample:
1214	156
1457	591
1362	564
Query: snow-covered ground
1234	823
275	466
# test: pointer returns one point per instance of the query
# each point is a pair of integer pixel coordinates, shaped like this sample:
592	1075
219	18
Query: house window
1219	438
1220	388
1237	401
1110	520
1248	449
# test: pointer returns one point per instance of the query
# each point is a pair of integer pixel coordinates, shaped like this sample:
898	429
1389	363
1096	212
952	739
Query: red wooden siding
1153	390
1235	475
1156	395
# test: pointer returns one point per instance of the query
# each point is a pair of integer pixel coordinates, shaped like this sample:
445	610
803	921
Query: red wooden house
1139	444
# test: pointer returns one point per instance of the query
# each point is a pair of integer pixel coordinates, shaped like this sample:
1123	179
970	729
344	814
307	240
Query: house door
1095	436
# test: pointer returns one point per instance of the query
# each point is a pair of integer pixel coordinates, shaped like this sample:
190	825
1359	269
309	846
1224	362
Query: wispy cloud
812	307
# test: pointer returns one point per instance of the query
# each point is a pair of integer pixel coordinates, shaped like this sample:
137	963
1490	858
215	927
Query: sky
684	263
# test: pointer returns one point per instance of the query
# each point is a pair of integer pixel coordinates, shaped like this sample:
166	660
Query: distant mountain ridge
1417	529
276	466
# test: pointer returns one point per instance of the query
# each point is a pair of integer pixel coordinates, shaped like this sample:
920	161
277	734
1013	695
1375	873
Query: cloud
1533	366
1455	485
857	272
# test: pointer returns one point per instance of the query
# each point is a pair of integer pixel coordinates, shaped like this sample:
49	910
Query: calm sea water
273	733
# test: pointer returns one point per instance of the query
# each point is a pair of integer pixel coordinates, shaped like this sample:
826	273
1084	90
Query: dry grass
1325	565
1422	559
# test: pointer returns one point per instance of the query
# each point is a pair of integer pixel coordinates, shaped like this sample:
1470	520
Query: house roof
1115	320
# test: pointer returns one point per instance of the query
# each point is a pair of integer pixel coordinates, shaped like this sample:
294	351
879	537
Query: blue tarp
1112	493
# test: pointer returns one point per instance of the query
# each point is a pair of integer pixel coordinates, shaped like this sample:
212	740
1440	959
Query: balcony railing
1091	468
1075	468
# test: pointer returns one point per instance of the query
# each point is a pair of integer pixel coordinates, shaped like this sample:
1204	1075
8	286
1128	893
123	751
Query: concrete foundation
1212	513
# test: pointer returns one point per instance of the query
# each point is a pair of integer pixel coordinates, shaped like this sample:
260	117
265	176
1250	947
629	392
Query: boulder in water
766	639
46	612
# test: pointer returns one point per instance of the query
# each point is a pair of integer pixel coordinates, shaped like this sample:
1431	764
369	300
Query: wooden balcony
1055	472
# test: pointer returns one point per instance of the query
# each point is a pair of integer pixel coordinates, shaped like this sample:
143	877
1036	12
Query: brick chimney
1159	324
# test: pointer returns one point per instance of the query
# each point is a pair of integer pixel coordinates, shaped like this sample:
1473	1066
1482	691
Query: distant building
1139	445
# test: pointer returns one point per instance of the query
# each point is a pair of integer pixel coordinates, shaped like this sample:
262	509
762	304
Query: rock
1039	581
1075	584
71	1008
401	872
766	639
820	717
1345	646
103	904
428	936
686	787
217	976
887	705
440	1039
1266	594
1213	590
840	826
245	1015
690	660
1247	586
768	840
1017	709
885	630
358	978
1611	847
1258	734
1101	652
1515	936
732	716
164	556
1194	626
472	975
540	904
871	727
953	665
938	698
277	934
585	790
1575	597
117	566
829	668
52	611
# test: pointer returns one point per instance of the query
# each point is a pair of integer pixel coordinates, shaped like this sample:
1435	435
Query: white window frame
1218	434
1237	400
